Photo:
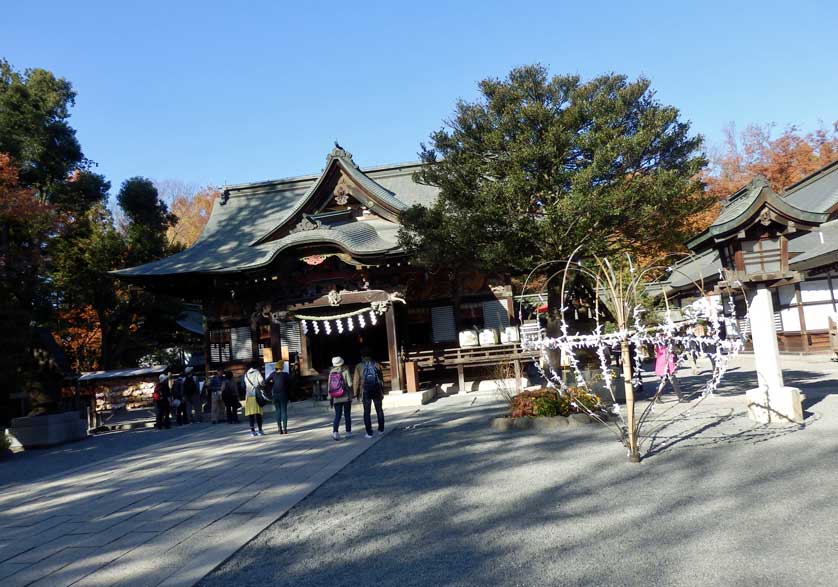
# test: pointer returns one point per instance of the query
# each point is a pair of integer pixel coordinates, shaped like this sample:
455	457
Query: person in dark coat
230	397
280	383
192	395
369	388
162	399
213	388
178	401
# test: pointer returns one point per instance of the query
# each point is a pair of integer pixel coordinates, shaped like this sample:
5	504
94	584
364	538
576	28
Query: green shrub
548	402
585	401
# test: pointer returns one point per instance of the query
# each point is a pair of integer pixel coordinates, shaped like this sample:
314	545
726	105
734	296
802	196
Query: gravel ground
446	501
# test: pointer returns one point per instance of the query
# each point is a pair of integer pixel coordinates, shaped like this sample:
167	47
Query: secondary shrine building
787	242
307	268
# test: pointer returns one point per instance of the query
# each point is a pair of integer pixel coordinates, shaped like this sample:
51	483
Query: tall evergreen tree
539	165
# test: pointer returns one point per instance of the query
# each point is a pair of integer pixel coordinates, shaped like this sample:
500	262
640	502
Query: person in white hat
340	395
161	396
254	384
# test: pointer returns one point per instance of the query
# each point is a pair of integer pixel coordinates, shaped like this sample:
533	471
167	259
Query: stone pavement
171	511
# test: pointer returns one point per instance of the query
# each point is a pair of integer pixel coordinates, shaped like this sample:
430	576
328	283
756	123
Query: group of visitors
180	397
183	396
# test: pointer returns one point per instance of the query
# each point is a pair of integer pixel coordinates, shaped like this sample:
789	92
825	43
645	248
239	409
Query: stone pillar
772	401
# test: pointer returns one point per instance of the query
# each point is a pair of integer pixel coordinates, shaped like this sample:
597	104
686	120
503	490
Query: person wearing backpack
340	395
369	387
254	384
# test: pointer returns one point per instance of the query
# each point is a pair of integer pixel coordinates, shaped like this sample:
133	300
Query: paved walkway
166	513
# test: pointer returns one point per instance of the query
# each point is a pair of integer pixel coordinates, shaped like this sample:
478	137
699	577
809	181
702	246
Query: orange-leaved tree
192	207
26	223
782	160
80	335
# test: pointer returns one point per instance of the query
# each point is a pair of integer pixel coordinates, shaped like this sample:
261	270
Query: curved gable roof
248	212
381	200
748	202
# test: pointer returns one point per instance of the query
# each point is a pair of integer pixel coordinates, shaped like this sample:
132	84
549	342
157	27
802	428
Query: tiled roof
250	211
817	192
702	270
818	247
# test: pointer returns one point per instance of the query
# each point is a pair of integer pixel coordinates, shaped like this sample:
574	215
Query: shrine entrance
342	324
347	344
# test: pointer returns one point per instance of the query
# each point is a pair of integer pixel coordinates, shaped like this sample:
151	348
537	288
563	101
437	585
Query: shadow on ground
451	503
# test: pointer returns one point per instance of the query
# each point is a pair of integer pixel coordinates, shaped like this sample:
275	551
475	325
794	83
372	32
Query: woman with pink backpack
340	395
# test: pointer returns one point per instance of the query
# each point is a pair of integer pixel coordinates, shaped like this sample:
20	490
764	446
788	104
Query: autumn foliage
783	160
80	335
192	209
25	222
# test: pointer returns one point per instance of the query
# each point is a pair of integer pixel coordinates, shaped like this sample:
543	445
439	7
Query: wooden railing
470	356
461	358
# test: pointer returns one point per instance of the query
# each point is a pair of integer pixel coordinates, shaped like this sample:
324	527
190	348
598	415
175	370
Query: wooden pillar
276	341
207	352
804	335
393	349
411	376
305	364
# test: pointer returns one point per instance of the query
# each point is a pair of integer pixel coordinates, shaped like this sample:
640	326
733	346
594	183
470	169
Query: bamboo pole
634	453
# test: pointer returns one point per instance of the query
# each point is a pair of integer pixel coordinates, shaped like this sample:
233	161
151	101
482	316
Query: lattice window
220	348
762	256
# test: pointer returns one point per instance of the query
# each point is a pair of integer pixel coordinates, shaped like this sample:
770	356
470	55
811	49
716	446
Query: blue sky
212	92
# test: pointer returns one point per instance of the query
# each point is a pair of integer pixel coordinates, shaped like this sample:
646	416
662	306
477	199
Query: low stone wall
48	430
505	423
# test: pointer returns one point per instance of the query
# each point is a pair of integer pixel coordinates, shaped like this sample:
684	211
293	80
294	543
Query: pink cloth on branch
664	361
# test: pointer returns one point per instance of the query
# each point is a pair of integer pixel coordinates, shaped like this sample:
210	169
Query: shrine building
785	242
307	268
